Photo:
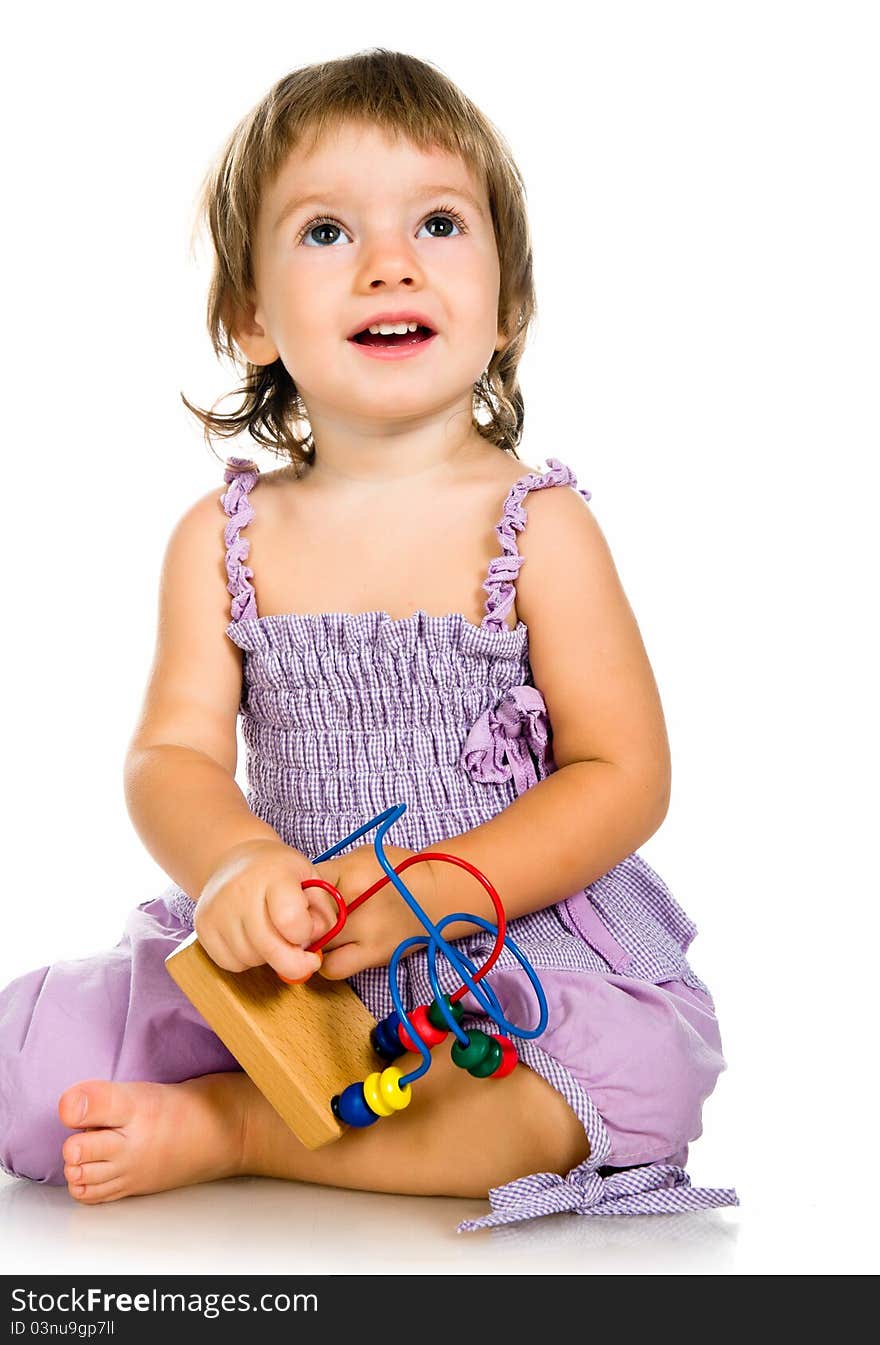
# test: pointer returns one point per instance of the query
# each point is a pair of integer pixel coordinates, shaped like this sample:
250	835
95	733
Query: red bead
429	1034
509	1057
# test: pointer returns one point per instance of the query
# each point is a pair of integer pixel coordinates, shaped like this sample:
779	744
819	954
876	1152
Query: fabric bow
499	742
658	1188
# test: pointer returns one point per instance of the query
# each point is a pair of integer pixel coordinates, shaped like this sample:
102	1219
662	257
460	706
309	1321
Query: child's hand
253	911
372	932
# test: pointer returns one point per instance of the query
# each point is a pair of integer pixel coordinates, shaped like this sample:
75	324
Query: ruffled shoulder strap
503	570
241	476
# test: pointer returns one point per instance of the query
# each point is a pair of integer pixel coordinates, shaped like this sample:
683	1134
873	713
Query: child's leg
458	1137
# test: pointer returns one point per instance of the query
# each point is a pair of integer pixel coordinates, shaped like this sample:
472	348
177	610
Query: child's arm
611	789
180	766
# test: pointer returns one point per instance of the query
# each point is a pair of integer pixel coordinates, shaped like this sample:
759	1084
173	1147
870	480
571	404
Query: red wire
344	911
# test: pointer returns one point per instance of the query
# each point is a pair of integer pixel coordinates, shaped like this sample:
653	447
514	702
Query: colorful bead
373	1096
393	1095
476	1050
429	1034
384	1038
436	1016
509	1057
490	1062
351	1107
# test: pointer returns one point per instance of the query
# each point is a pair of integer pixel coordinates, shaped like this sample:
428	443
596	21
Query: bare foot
144	1137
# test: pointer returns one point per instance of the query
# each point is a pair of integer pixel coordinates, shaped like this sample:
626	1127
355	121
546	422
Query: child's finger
288	911
311	966
220	953
323	910
290	961
322	923
239	941
343	962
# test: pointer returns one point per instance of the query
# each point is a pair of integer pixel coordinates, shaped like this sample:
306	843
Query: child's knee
657	1110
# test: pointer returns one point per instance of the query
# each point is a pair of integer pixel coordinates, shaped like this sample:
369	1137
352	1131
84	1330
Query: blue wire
481	991
481	988
424	1052
393	986
397	810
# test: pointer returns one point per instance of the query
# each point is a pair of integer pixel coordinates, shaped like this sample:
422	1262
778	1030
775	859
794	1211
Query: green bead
475	1051
489	1063
436	1016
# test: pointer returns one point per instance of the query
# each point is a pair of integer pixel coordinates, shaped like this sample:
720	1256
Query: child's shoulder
511	470
282	476
274	480
546	508
268	489
196	527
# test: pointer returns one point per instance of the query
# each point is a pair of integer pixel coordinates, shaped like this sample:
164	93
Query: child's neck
394	469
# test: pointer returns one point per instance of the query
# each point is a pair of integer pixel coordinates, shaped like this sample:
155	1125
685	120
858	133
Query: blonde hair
404	96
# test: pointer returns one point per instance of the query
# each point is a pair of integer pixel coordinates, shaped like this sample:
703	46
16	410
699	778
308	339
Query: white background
703	192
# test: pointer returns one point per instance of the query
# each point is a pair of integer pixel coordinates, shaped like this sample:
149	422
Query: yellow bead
392	1093
374	1097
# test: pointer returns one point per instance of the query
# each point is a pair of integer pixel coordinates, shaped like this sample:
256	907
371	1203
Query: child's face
384	251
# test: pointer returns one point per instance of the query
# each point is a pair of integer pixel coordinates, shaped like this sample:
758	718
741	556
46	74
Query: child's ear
504	337
246	329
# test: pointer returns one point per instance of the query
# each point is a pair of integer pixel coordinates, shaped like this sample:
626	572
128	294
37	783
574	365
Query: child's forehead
352	156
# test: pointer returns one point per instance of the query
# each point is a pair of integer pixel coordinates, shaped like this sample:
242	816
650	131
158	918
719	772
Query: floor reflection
701	1233
288	1227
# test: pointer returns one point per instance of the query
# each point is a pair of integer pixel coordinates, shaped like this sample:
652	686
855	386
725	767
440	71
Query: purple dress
343	716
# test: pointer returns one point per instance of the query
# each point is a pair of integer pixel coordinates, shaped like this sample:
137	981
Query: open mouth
368	338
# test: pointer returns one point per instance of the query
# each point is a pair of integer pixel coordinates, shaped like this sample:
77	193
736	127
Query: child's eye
325	223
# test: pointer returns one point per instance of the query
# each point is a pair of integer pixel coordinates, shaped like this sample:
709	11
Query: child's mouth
397	346
368	338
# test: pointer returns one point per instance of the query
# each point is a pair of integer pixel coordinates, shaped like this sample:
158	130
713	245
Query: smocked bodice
345	714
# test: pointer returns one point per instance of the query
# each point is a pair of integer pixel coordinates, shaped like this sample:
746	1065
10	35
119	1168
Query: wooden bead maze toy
303	1044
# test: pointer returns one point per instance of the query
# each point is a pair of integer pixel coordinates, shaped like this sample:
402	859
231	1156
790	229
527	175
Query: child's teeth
392	328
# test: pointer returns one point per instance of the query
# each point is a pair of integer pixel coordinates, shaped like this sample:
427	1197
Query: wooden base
300	1044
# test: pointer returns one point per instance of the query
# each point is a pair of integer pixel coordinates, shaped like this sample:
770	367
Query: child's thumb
342	962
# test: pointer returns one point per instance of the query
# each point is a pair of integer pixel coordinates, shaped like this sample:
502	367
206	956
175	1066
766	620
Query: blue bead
351	1107
384	1038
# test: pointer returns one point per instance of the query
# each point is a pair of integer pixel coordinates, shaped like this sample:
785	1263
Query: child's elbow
658	773
654	790
664	790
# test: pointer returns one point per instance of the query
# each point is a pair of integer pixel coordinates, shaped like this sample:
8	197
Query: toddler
417	616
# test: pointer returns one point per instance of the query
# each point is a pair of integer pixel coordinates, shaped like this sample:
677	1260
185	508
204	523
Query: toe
105	1104
72	1106
92	1146
71	1149
97	1193
89	1174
